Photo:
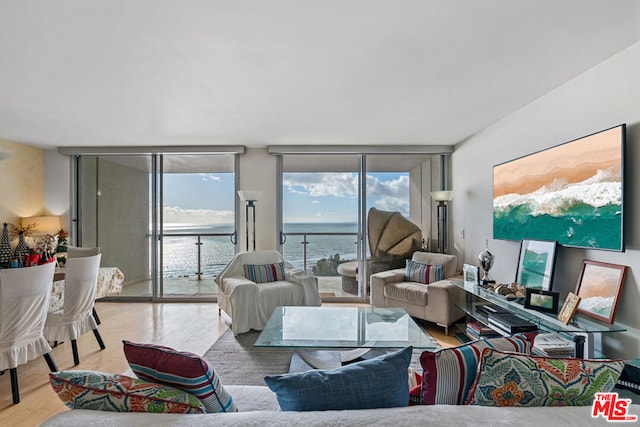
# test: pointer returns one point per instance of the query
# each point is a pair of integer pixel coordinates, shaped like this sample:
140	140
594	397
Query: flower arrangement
25	230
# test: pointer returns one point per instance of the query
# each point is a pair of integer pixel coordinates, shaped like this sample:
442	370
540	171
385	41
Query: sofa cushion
264	273
411	292
511	379
183	370
422	273
449	373
380	382
119	393
449	262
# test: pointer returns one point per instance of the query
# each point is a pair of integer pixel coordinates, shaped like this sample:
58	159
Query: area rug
238	362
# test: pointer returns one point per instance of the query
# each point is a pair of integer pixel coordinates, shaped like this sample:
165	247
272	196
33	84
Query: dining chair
78	252
76	317
24	301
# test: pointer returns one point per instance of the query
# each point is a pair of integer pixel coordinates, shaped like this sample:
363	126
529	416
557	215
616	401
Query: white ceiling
259	72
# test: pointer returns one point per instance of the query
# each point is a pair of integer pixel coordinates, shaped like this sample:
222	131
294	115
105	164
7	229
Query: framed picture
599	287
569	308
536	264
471	275
545	301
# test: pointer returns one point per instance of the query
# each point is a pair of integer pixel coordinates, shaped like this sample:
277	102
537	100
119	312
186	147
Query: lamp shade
43	224
249	196
442	196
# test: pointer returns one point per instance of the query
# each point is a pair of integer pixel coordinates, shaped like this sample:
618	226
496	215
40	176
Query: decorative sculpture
486	261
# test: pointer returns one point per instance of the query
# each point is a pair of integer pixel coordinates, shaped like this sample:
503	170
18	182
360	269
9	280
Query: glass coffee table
353	331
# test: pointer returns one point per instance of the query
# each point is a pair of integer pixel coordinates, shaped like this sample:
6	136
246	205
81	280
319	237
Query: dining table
110	281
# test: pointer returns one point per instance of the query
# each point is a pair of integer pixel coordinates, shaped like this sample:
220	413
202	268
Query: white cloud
322	184
178	215
209	177
315	202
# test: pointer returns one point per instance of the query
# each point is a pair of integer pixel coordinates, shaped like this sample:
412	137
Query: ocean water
581	226
585	214
180	253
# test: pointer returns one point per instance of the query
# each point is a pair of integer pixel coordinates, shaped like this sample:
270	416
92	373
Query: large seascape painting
571	193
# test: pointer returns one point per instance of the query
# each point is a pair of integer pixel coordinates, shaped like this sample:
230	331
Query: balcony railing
217	254
212	256
323	243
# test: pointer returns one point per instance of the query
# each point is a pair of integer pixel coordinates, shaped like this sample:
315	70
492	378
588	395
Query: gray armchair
434	302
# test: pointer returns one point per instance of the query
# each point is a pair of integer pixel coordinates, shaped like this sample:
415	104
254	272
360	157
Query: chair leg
52	363
99	339
14	385
74	348
95	316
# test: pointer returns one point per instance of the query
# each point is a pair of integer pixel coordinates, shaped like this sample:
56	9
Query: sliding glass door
198	223
166	220
113	212
321	221
326	200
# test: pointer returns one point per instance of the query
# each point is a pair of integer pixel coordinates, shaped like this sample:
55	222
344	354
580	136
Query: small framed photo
569	308
599	288
471	275
545	301
536	264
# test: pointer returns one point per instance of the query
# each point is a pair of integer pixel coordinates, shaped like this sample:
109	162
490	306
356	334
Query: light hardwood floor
185	326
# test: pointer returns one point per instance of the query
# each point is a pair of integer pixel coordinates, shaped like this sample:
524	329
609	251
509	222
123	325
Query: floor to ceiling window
325	202
166	220
320	217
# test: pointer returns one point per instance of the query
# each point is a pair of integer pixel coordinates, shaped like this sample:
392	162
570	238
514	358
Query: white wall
605	96
258	172
57	194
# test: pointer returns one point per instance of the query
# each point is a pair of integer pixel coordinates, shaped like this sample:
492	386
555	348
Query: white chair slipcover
24	301
250	305
76	317
77	252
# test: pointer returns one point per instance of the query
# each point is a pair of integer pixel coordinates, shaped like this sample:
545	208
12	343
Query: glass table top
343	327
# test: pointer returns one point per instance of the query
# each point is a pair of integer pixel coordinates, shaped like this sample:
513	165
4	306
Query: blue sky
207	198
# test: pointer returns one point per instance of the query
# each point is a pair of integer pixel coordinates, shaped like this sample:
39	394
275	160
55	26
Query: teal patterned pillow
119	393
514	379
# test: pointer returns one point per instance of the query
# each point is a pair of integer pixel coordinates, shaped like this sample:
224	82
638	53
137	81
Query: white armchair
250	304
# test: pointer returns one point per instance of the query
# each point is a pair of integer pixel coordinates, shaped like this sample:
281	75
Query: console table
581	326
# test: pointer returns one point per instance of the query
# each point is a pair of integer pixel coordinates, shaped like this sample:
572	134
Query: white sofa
434	302
259	407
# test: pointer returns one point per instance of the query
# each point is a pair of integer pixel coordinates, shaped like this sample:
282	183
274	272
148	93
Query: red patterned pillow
182	370
450	372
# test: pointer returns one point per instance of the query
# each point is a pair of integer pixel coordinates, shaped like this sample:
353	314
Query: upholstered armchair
434	302
255	283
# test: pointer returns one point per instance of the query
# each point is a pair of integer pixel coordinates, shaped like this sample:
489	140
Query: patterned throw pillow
380	382
510	379
449	373
118	393
185	371
264	273
422	273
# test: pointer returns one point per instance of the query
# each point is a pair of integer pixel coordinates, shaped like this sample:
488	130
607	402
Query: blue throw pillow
380	382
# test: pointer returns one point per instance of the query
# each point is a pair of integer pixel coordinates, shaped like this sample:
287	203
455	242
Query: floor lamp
250	197
442	197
